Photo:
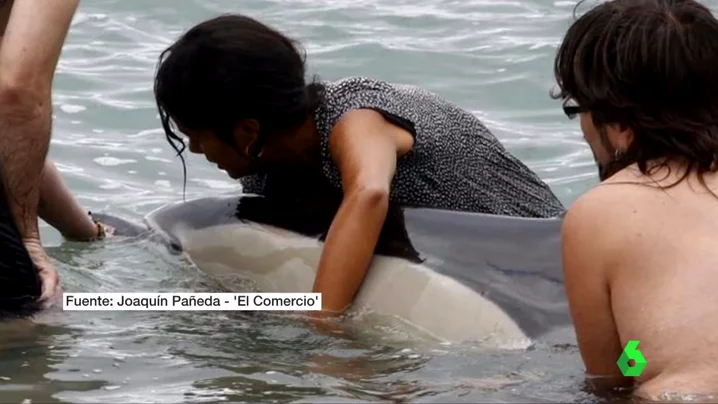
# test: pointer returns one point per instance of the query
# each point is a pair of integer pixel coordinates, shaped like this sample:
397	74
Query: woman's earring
248	151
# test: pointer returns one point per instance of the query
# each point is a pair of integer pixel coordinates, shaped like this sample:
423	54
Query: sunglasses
572	110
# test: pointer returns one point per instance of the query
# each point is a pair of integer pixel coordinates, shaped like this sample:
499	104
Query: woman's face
227	158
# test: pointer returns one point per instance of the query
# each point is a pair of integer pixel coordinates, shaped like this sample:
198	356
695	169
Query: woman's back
456	163
663	287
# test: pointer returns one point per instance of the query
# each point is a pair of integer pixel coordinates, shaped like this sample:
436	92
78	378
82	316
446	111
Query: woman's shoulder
411	99
357	86
405	101
355	83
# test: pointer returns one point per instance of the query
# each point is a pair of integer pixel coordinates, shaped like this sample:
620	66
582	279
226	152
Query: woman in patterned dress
236	88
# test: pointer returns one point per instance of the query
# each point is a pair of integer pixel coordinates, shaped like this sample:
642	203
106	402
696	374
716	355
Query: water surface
493	57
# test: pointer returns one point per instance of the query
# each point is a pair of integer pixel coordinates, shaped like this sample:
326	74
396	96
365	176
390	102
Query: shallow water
490	56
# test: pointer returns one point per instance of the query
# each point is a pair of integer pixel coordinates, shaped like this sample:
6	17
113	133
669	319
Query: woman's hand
103	231
324	322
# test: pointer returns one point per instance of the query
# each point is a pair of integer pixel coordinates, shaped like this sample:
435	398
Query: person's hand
351	369
103	230
46	270
325	322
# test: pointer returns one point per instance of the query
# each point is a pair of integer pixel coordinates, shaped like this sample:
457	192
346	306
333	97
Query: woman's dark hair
650	66
230	68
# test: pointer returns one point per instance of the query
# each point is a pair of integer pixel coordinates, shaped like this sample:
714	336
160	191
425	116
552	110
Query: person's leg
20	285
60	209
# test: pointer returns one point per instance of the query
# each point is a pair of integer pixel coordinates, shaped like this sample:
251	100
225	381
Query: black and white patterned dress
456	163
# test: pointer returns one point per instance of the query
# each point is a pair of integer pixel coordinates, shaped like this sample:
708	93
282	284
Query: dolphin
457	276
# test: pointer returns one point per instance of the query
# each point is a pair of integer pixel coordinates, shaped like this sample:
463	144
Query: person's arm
30	50
365	153
585	253
60	210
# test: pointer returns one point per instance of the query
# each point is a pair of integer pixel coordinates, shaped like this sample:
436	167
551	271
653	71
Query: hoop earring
617	154
253	156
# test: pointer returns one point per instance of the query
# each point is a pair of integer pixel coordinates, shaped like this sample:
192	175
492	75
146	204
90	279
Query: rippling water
492	57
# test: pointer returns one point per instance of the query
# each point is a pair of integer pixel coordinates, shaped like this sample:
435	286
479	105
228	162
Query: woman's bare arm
60	209
365	149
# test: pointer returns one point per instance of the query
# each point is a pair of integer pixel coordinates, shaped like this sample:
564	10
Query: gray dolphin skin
455	275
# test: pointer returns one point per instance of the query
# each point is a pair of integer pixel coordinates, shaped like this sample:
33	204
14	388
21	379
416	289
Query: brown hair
650	66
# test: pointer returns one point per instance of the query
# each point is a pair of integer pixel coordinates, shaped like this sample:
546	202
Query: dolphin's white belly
276	260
